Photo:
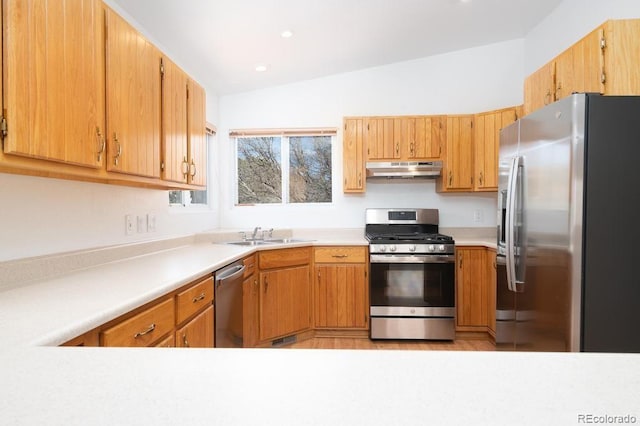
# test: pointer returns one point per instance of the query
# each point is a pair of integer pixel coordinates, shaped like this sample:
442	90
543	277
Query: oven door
412	285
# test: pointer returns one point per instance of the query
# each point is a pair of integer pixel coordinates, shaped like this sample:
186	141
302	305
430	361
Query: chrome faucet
255	232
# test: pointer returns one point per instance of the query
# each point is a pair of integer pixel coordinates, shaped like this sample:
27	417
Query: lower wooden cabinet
182	318
143	329
475	289
341	289
284	302
198	332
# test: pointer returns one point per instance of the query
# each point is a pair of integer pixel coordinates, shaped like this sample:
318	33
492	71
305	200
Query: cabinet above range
462	157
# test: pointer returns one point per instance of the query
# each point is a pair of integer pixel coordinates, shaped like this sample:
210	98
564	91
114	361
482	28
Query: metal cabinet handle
460	262
359	178
339	256
116	159
481	178
199	298
450	178
147	331
547	98
102	143
411	149
185	167
192	169
397	148
185	342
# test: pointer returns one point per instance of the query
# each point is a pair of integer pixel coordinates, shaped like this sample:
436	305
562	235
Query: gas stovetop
418	237
402	231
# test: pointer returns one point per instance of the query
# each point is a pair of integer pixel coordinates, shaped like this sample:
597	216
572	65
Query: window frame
285	136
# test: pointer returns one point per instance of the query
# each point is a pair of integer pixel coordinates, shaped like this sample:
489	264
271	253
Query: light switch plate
151	222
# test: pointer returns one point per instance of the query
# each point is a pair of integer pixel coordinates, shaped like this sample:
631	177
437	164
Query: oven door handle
394	258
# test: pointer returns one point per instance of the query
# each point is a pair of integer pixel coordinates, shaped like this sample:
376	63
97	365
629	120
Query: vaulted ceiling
223	41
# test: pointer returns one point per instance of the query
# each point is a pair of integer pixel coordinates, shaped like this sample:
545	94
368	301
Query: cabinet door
54	81
284	302
378	138
622	60
133	100
457	171
175	161
539	88
486	146
353	156
565	74
471	288
341	296
588	63
197	141
425	138
197	333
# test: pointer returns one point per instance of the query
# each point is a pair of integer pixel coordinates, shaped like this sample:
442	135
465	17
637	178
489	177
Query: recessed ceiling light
286	34
261	68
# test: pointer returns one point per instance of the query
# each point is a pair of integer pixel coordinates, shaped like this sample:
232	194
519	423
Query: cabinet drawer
194	299
340	254
142	329
284	257
249	266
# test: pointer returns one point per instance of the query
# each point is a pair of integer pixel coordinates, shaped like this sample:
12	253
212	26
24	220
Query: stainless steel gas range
412	280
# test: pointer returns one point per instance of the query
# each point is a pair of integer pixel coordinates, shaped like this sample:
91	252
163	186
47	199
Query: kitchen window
283	167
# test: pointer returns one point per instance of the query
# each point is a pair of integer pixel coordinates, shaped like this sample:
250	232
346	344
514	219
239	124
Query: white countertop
54	385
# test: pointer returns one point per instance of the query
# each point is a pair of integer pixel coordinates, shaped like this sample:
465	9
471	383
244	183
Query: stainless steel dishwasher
228	302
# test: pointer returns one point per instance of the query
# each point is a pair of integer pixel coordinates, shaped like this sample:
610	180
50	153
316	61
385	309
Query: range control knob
431	247
441	247
412	248
392	248
382	248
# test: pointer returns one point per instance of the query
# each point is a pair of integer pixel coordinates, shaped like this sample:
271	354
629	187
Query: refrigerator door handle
510	223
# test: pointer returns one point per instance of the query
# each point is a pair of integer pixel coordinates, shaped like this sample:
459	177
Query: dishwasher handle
228	274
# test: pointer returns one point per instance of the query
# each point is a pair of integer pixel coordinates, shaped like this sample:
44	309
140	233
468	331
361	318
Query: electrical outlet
477	215
128	224
151	222
142	224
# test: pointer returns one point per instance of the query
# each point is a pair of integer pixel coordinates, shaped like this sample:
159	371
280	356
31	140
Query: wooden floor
361	343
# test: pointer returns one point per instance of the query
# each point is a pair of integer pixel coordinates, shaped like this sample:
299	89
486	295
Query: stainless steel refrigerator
568	232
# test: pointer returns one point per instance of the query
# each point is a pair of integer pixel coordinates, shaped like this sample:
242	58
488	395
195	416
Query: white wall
568	23
466	81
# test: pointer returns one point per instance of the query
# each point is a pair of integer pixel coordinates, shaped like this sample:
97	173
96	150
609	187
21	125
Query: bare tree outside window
259	170
287	169
310	169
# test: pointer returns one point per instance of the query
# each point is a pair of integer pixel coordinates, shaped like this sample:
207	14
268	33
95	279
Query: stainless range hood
404	169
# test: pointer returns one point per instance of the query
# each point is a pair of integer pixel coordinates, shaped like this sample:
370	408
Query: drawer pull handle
185	341
339	256
147	331
199	298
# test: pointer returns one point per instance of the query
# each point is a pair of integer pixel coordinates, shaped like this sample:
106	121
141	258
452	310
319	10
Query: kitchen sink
248	243
269	241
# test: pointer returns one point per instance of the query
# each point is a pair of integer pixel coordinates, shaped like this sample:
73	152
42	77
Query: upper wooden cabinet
353	156
53	91
378	139
133	100
457	170
405	138
604	61
197	134
425	135
486	144
81	98
175	163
